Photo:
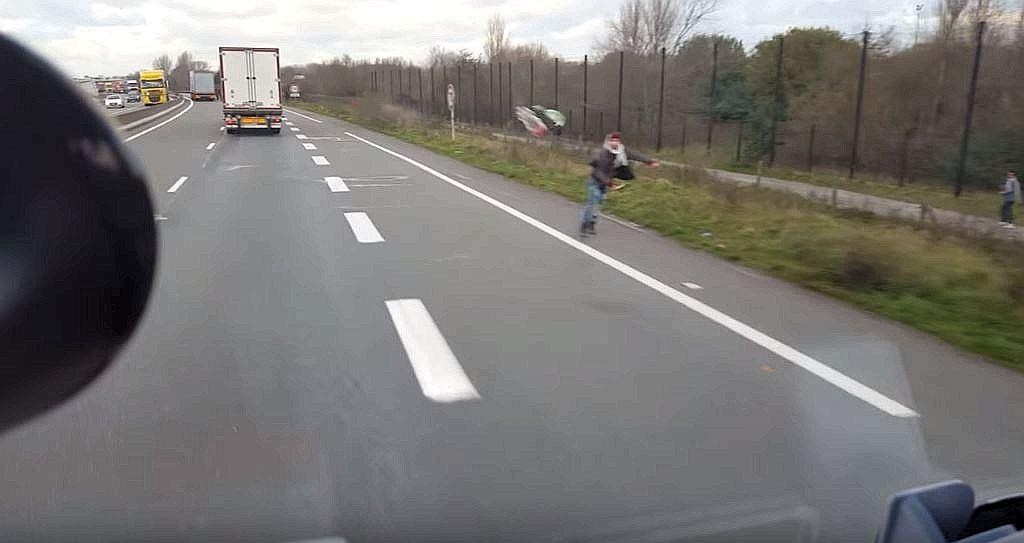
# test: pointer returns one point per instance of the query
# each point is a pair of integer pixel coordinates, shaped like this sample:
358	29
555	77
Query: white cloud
120	36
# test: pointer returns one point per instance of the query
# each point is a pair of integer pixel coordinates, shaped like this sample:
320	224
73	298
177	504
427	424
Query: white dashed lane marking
336	184
177	184
439	373
363	227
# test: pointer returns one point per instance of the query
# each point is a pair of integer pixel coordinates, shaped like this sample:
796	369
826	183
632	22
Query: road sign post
451	106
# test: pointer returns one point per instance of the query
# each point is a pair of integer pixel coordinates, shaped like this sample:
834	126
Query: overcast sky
121	36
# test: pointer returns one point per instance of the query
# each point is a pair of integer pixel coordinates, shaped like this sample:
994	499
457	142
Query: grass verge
967	291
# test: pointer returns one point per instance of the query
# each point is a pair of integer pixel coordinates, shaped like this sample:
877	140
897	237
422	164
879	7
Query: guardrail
142	116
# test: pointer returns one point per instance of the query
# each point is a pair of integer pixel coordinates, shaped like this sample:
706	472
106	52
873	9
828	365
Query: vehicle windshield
581	270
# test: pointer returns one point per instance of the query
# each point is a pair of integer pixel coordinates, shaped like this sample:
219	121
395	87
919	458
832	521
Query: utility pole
961	169
860	102
777	110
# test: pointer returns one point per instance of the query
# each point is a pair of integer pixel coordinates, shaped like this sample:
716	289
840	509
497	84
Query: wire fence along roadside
948	110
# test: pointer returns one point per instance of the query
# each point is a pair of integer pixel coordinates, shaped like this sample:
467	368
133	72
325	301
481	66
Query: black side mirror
77	239
1007	511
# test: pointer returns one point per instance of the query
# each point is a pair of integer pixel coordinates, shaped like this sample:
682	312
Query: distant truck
200	84
154	87
293	91
250	88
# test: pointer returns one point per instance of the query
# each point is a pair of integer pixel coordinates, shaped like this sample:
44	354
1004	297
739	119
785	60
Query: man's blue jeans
595	197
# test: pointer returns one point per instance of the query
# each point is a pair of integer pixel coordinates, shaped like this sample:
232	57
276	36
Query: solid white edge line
177	184
210	146
842	381
336	184
309	146
438	372
304	116
320	160
158	125
363	227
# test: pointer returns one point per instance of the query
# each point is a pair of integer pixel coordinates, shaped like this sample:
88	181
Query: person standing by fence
1011	194
611	162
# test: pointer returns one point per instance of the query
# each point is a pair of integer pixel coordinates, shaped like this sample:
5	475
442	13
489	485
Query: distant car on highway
114	100
133	96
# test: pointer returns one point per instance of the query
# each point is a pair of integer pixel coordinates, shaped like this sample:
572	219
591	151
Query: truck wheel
231	130
275	130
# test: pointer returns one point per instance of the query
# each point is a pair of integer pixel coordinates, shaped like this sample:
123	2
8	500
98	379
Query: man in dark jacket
611	162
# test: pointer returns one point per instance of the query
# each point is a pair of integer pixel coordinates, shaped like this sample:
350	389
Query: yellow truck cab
153	86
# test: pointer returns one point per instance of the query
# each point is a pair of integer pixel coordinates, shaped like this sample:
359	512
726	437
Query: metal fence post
531	83
433	103
711	98
682	145
501	89
583	131
490	101
739	142
860	103
556	82
961	169
777	109
618	121
475	66
391	83
810	149
419	77
509	91
661	100
458	91
399	70
600	124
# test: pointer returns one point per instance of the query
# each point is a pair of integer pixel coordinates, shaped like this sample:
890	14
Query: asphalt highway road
383	344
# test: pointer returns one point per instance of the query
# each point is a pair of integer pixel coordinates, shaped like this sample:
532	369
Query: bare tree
438	56
525	51
691	14
162	62
496	43
982	10
949	17
626	31
643	27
